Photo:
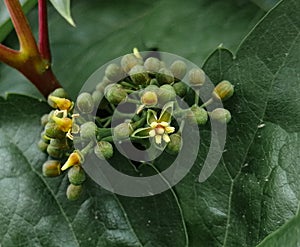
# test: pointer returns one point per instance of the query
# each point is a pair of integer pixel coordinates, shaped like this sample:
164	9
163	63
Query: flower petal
166	113
158	139
166	138
152	133
151	116
170	129
142	132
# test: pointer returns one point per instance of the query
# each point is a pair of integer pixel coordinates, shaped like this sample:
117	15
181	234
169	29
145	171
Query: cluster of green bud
154	90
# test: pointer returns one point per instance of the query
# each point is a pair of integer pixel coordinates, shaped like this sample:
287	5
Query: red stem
32	63
44	46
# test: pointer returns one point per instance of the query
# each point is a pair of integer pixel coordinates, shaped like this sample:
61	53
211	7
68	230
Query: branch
25	36
9	56
44	46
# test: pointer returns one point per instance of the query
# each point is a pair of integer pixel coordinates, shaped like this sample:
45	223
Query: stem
35	66
207	103
19	20
44	46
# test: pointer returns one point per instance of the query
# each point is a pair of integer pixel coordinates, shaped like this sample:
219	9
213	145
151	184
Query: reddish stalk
33	63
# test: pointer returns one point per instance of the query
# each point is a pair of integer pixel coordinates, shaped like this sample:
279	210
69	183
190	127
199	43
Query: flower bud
97	97
85	103
55	152
223	91
175	144
74	192
165	76
196	77
178	68
44	119
61	103
53	131
149	98
60	92
139	75
114	72
64	124
104	150
152	64
76	175
197	115
180	88
129	61
61	144
51	168
166	93
122	131
221	115
45	138
42	145
88	130
115	93
75	158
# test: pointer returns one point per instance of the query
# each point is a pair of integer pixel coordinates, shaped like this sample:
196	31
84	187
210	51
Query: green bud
45	138
152	64
76	175
53	131
165	76
104	150
55	152
51	168
59	92
175	144
149	98
44	119
122	131
151	88
178	68
114	72
223	91
197	115
196	77
166	93
101	85
85	103
42	146
129	61
180	88
88	130
115	93
139	75
74	192
60	143
221	115
97	97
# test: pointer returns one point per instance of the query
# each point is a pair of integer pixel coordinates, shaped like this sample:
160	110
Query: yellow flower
159	128
61	103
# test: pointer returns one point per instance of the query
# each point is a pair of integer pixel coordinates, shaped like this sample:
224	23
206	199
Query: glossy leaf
64	9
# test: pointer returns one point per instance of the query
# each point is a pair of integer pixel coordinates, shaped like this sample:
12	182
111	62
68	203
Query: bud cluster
152	88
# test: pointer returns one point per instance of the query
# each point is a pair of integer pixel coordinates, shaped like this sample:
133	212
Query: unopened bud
175	144
149	98
76	175
42	145
197	115
122	131
104	150
53	131
223	91
196	77
180	88
55	152
221	115
115	93
88	130
51	168
74	192
85	103
152	64
166	93
114	72
44	119
129	61
178	68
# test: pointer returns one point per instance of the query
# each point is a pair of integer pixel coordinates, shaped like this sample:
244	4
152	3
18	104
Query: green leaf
265	4
35	211
5	22
289	233
108	31
63	7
